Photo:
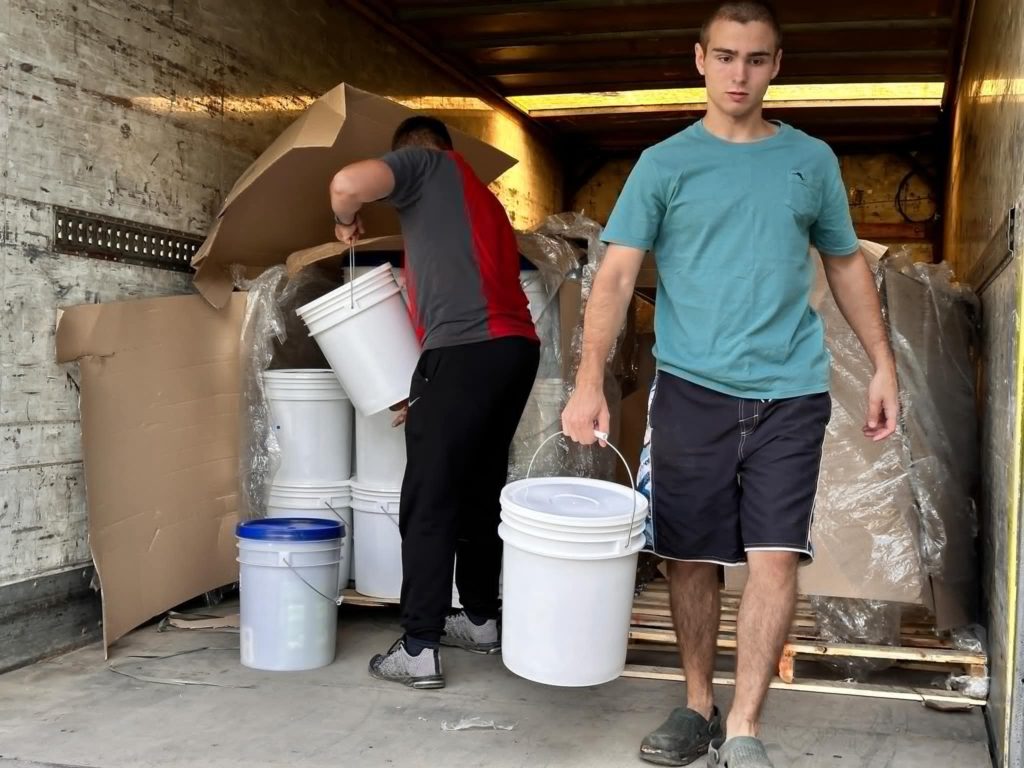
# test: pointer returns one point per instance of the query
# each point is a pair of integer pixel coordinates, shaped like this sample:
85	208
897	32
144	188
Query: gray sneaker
460	632
397	666
738	752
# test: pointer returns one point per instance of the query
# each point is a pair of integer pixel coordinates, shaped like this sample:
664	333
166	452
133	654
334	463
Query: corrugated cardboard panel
281	205
160	383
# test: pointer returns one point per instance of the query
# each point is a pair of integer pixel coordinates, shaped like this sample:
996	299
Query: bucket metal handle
336	600
337	514
384	511
602	436
352	271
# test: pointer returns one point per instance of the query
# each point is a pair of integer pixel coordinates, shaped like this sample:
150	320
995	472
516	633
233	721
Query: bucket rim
333	319
315	499
637	513
636	543
374	278
290	529
370	493
338	298
301	374
527	525
340	485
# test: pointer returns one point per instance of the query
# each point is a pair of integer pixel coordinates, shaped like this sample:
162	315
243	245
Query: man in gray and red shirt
479	361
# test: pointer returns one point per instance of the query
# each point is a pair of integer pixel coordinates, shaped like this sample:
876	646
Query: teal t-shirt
730	225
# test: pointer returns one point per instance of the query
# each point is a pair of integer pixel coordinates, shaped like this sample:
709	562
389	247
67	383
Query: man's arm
606	312
853	287
352	187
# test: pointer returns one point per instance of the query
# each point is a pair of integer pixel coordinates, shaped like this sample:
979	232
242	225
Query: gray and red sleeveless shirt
461	259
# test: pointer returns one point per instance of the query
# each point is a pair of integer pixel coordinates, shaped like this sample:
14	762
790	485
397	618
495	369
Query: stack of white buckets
311	416
570	544
364	331
313	420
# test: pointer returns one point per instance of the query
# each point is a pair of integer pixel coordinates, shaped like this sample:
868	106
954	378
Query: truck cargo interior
164	213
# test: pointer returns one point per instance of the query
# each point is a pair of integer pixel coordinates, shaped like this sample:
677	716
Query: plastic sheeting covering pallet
895	521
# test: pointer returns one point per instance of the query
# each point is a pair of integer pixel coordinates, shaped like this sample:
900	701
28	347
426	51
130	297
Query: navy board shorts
725	475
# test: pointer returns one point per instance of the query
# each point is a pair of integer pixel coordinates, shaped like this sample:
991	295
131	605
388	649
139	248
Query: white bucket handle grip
603	436
336	600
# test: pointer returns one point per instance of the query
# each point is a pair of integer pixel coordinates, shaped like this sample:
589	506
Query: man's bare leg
693	588
766	614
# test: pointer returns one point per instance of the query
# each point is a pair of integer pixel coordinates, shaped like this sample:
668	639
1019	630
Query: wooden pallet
351	597
920	648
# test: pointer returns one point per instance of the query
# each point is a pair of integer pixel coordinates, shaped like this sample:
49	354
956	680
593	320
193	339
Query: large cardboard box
160	382
881	506
161	378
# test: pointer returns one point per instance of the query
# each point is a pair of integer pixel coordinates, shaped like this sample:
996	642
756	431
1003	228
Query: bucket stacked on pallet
313	420
376	493
364	331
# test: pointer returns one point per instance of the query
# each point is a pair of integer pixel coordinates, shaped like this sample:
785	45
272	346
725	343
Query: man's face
740	62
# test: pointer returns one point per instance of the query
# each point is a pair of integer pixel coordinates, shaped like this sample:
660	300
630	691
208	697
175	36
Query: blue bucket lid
291	529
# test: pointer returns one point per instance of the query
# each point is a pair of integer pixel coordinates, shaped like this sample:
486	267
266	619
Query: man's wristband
340	223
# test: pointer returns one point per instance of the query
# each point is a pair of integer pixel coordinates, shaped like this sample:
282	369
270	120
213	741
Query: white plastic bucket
378	545
565	616
313	420
371	347
325	502
570	554
288	577
380	451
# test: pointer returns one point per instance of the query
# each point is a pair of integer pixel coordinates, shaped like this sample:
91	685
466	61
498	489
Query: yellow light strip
927	93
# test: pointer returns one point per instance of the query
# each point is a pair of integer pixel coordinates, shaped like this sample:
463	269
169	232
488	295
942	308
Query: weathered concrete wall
987	168
149	111
871	182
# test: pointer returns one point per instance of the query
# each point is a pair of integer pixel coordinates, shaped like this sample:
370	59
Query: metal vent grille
101	237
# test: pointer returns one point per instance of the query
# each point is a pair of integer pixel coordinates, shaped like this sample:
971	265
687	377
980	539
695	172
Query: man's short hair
744	12
422	131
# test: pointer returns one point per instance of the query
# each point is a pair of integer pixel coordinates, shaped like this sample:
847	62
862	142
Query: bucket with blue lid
288	583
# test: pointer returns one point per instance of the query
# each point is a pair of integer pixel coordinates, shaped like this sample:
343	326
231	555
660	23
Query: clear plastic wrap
865	531
897	520
556	261
272	337
933	325
861	622
970	638
567	251
593	461
576	226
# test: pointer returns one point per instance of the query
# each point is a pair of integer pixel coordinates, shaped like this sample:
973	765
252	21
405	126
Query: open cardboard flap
160	383
280	204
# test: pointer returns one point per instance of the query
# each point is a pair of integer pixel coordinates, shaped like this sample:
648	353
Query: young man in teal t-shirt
740	403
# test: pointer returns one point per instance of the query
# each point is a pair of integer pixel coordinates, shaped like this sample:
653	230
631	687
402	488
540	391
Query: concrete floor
74	711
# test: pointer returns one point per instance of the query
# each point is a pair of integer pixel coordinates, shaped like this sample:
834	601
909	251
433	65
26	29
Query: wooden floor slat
920	646
866	690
